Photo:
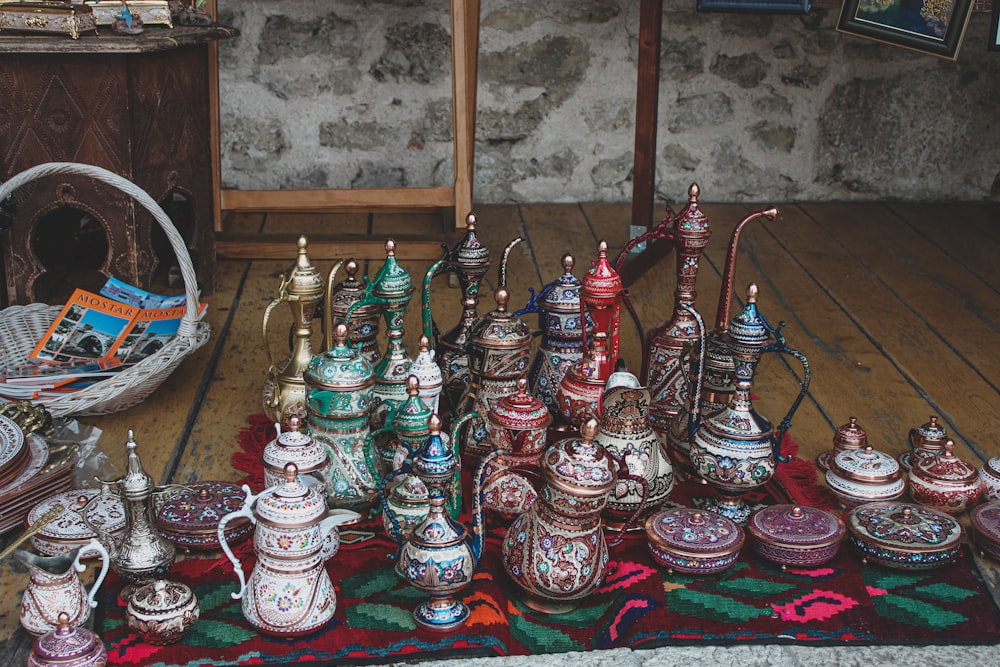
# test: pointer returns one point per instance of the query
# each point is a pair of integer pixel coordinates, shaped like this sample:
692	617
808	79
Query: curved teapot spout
502	271
729	274
327	312
438	268
694	392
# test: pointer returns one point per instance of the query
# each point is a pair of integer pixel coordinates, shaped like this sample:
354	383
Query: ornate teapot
500	347
392	288
339	398
736	449
469	260
294	446
429	374
626	434
284	392
556	552
289	592
440	556
54	587
364	324
558	308
580	391
601	297
141	552
518	425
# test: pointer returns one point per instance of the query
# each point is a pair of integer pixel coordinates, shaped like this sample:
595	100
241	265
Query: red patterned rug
640	605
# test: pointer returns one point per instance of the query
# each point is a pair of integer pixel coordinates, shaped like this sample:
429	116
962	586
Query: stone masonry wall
357	93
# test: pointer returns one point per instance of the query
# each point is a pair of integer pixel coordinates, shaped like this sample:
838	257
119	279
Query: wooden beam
331	246
329	200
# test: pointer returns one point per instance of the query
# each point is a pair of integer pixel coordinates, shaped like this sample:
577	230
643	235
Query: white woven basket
21	327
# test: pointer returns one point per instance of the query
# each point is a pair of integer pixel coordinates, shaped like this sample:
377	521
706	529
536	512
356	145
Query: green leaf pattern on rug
752	588
540	639
380	617
916	612
709	605
943	592
211	633
363	586
881	578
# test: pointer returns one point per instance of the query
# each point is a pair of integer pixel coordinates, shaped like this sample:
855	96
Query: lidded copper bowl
847	436
989	479
862	476
795	535
945	482
926	441
69	531
191	519
905	536
68	645
693	541
985	520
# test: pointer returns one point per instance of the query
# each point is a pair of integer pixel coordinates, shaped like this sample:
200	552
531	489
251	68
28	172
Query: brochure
90	326
150	331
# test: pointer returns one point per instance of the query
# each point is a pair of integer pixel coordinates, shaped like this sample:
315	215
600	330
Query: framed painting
756	6
935	27
994	44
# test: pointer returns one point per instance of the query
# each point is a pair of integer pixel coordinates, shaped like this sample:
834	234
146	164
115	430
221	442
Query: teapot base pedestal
441	614
547	606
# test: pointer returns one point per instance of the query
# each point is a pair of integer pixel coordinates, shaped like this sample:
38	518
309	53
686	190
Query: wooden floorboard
896	305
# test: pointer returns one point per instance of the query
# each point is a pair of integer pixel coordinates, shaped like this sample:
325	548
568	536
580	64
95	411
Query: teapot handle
104	536
220	531
786	423
403	469
272	370
623	472
96	545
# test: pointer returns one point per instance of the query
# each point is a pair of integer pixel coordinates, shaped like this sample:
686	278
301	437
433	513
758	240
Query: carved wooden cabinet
138	106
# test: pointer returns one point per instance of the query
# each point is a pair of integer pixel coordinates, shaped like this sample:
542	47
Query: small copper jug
54	586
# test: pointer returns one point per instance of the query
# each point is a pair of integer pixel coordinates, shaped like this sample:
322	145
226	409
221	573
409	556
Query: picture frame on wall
756	6
935	27
994	43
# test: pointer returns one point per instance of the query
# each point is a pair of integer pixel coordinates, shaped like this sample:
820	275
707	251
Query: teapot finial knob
470	221
502	296
340	333
568	262
869	449
434	424
949	448
796	511
752	293
291	472
694	191
351	268
62	624
412	385
589	430
602	248
424	343
907	512
294	423
390	248
522	385
302	244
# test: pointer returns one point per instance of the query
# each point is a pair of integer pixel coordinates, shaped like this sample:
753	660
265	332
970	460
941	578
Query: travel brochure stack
94	337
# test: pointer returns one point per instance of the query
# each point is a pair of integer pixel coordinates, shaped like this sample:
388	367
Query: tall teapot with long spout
469	260
364	320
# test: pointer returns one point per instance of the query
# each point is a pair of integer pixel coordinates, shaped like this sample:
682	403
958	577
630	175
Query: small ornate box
48	16
985	520
693	541
795	536
861	476
69	531
190	520
161	612
989	479
152	12
905	536
945	482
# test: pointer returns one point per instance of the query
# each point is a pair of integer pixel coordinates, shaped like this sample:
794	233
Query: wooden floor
897	307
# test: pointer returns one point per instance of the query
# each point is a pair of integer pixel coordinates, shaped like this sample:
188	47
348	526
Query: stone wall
357	93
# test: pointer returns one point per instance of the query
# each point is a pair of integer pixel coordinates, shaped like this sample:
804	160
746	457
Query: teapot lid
945	468
425	368
692	221
410	422
520	411
348	292
472	255
136	484
588	369
295	446
304	279
500	328
866	465
392	282
749	328
930	435
68	645
602	285
436	462
850	436
291	503
563	293
341	367
580	464
160	597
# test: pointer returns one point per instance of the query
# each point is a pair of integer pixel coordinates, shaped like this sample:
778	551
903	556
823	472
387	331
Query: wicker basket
21	327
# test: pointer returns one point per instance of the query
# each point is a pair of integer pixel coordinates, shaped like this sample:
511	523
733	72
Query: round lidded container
905	536
926	441
862	476
848	436
985	520
191	519
161	612
796	536
69	531
989	478
693	541
945	482
68	646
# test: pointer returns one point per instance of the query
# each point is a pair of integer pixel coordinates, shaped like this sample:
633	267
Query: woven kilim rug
639	606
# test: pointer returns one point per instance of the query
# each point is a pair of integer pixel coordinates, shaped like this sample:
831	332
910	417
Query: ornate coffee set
568	447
